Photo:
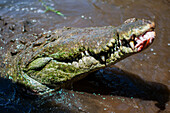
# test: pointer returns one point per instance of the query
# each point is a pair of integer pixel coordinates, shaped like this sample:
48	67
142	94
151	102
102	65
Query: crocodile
56	59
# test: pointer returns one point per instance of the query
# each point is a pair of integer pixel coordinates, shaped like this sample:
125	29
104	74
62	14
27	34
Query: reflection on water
114	81
108	90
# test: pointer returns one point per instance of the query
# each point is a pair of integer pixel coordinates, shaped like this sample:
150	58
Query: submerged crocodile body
69	54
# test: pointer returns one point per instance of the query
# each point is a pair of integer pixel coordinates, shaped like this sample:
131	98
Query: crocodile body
68	54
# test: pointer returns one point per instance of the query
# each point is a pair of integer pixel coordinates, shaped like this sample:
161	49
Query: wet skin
57	58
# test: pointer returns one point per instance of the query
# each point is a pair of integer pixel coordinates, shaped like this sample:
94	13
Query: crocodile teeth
86	53
111	42
103	58
132	44
82	54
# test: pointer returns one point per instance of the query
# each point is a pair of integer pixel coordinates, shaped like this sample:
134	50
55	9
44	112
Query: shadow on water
15	98
114	81
10	99
109	81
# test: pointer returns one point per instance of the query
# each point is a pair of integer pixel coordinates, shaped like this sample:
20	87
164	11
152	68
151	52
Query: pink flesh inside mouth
144	40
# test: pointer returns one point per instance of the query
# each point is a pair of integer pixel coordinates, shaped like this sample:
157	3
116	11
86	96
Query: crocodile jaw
145	40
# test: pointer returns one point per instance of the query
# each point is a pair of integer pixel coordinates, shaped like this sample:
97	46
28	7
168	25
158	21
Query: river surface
137	84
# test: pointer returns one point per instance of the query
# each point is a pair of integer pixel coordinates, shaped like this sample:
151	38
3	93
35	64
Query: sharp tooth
95	51
132	44
103	58
120	42
111	42
86	53
82	54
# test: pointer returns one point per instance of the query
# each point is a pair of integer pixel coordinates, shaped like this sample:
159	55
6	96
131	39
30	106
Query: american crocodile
57	58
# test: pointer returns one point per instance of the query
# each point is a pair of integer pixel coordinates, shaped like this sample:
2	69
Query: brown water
112	90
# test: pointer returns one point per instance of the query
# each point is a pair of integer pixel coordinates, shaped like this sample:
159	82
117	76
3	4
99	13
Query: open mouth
143	41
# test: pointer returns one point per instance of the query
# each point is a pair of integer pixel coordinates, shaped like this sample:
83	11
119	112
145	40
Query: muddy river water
137	84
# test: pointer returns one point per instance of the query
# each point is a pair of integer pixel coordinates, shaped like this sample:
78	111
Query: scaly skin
69	54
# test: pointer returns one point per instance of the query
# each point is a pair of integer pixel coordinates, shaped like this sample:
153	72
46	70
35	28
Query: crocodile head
139	34
71	53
